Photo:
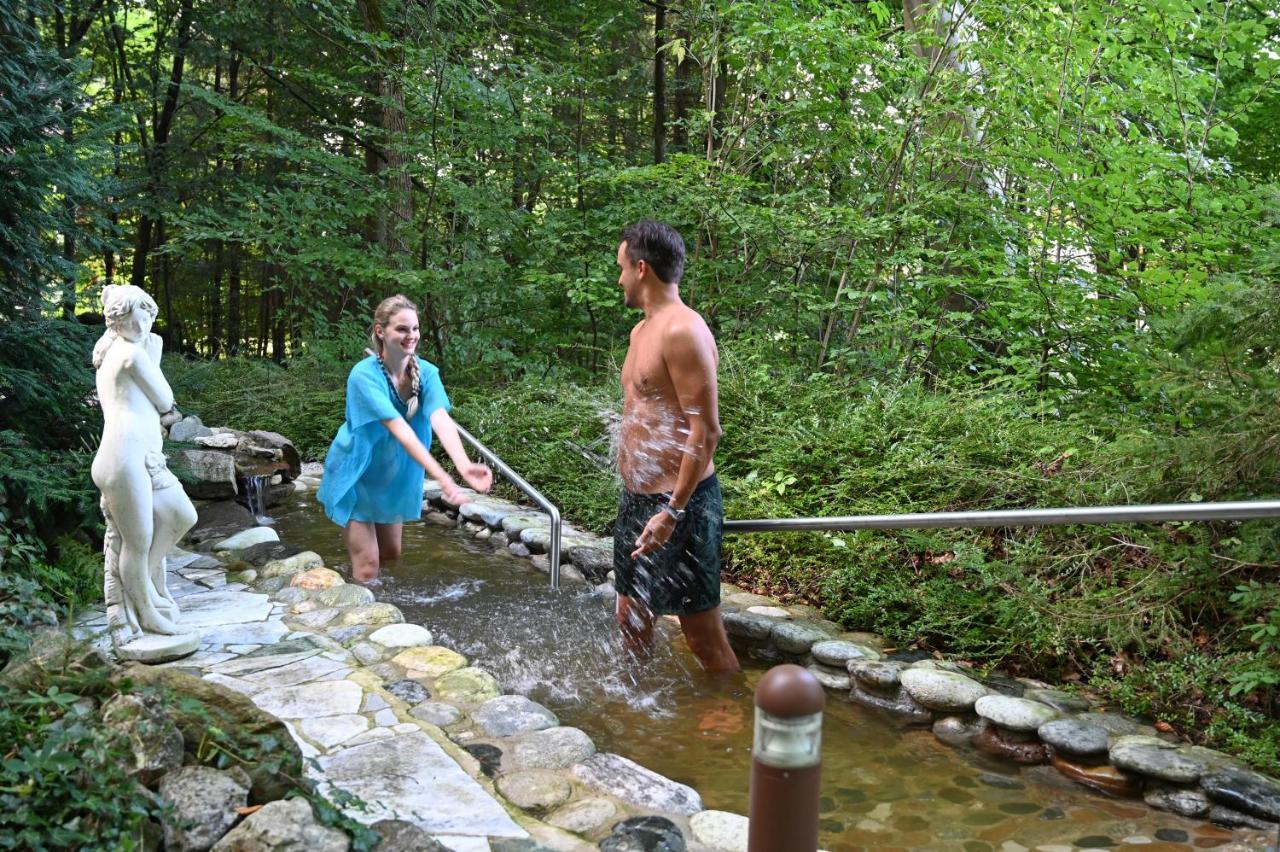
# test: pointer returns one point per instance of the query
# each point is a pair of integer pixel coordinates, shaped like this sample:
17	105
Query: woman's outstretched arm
477	475
403	433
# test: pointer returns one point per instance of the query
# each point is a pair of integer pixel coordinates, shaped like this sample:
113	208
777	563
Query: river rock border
1021	720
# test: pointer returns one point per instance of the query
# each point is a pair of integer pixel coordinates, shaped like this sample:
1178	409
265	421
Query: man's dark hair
657	244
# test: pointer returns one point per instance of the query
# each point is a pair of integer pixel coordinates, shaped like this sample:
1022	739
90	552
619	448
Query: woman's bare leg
362	545
389	537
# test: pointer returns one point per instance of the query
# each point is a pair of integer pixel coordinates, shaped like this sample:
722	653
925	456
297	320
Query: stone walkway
407	726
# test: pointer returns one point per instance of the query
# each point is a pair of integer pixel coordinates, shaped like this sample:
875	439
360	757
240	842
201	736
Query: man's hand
478	476
655	534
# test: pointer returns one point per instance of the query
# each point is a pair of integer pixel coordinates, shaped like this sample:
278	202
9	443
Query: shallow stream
883	788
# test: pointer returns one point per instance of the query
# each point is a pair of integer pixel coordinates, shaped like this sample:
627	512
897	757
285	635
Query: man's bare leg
362	545
636	623
704	631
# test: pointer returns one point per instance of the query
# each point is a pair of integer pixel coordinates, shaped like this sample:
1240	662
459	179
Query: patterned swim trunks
683	576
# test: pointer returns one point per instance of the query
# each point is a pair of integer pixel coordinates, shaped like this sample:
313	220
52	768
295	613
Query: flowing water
883	788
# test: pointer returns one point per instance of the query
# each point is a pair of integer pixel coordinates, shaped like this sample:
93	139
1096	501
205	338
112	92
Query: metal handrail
529	491
1232	511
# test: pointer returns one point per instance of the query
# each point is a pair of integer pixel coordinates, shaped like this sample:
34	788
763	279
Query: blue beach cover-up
368	475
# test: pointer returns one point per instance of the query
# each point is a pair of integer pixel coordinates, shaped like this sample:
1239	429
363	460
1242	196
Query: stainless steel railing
1157	513
529	491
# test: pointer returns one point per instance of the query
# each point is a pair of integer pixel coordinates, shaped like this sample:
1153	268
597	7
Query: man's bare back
655	424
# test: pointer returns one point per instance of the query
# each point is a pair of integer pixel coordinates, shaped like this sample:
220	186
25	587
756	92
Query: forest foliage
982	254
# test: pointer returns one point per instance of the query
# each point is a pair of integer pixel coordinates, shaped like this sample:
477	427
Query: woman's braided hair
388	308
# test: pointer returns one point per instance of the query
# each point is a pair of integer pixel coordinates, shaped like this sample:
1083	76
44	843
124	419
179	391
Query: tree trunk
685	94
659	84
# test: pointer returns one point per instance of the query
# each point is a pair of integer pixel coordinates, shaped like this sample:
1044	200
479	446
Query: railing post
786	761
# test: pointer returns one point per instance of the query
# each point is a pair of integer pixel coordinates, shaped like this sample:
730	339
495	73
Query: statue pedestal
155	648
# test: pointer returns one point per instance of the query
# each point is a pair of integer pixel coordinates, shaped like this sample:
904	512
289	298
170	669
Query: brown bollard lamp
786	761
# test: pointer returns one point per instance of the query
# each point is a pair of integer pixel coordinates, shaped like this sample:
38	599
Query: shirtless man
666	545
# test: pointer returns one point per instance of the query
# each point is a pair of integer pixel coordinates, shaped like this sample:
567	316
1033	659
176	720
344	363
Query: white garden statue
146	510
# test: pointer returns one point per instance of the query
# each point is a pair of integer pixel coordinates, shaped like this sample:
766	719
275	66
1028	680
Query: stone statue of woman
146	510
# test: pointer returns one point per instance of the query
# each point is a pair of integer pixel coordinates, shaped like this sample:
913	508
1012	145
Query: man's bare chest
644	372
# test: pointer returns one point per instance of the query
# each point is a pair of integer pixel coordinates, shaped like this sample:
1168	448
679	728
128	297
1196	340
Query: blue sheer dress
368	475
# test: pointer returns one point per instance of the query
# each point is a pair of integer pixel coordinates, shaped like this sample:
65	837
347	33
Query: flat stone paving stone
246	664
410	777
1075	736
303	671
1156	758
241	686
632	783
310	700
329	731
220	608
1016	714
837	652
942	690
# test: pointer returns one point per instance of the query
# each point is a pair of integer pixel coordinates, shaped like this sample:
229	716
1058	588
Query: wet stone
344	595
552	748
534	789
748	626
1220	815
1244	791
838	652
1172	835
1095	841
901	706
958	731
368	653
832	678
644	834
467	686
1103	777
489	757
1003	782
1005	685
437	713
884	676
408	691
1074	736
797	637
584	815
1156	758
944	691
1016	714
429	660
1187	801
1061	701
509	715
1020	808
1116	724
955	795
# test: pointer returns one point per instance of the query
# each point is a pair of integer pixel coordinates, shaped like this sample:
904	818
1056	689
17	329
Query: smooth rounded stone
881	675
796	637
747	599
541	562
534	789
1116	724
644	834
831	678
483	534
1155	758
1187	801
317	618
348	634
748	626
304	606
153	737
720	830
408	691
248	577
429	661
1074	736
958	731
1246	791
518	548
368	653
1224	816
204	803
499	540
1016	714
606	590
439	518
473	527
774	612
584	816
509	715
295	564
374	613
283	824
401	636
1102	777
400	836
467	686
941	690
940	665
270	585
593	561
384	671
248	538
488	511
1005	685
1063	702
992	740
838	652
552	748
317	579
290	595
186	430
437	713
900	705
268	551
345	595
513	525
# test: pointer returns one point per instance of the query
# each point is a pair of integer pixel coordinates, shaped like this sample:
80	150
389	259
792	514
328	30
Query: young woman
373	474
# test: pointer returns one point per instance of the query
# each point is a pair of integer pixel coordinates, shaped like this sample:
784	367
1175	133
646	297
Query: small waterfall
255	492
